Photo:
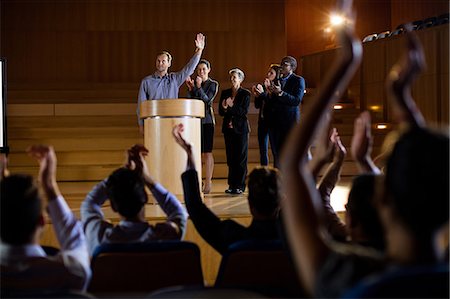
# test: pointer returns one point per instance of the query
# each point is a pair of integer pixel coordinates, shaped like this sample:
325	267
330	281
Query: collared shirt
154	87
99	231
283	80
29	268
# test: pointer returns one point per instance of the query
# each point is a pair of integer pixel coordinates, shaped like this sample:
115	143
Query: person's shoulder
245	91
296	77
213	81
148	77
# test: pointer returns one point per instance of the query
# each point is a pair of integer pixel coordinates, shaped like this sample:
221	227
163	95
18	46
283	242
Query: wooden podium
166	159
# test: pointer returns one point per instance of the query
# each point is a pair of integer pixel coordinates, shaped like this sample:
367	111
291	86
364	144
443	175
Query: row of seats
416	25
261	267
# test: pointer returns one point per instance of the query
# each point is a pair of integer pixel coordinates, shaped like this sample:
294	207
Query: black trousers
236	146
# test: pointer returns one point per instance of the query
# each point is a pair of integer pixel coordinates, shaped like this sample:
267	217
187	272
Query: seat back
369	38
417	282
260	266
144	267
383	34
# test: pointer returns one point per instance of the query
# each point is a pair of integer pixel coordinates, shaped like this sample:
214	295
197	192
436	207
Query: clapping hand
189	83
276	88
198	81
257	90
3	166
361	144
136	157
47	169
230	102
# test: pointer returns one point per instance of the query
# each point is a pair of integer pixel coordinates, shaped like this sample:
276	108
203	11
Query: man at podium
164	85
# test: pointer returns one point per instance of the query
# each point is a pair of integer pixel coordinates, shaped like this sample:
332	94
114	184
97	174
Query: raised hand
3	166
177	133
361	144
400	79
47	169
200	41
136	157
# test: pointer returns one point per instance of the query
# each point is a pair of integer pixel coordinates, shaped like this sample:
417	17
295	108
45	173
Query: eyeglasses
285	64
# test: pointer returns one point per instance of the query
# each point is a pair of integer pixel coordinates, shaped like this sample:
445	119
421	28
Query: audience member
205	89
164	85
263	198
262	93
284	105
233	106
25	268
362	225
125	188
410	224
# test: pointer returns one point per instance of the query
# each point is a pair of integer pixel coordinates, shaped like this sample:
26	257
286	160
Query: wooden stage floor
224	205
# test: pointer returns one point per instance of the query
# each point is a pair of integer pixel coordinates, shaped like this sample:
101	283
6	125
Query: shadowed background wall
69	44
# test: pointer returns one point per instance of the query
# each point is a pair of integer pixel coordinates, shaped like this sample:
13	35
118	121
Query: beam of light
336	20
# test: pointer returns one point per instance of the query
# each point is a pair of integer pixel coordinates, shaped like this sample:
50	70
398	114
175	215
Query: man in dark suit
284	102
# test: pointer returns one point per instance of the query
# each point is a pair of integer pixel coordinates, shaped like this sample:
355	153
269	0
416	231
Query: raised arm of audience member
323	150
302	206
205	221
400	79
96	227
361	146
334	225
171	206
74	252
208	225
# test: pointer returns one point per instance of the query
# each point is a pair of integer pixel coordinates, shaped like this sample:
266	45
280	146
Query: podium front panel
166	160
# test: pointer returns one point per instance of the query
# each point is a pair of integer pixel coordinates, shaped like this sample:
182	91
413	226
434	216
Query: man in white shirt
25	268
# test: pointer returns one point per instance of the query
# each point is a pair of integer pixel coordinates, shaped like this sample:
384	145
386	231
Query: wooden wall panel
403	11
85	44
367	88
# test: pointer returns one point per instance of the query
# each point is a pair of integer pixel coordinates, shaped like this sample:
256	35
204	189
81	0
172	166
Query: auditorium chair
383	34
259	266
202	292
369	38
140	268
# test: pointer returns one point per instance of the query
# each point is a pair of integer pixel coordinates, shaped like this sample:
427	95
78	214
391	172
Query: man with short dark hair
125	188
285	105
263	201
164	85
25	267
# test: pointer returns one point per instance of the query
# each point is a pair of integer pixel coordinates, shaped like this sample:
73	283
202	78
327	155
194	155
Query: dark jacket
285	109
238	113
221	233
207	92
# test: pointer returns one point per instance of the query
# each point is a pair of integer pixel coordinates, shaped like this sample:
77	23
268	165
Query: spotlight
336	20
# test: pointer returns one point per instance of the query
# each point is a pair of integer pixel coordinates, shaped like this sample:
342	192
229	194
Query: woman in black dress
205	89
